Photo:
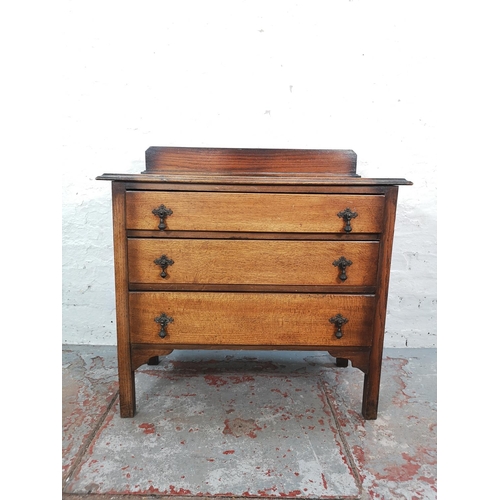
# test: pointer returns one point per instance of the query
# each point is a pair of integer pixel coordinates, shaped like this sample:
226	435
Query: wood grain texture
295	180
253	235
248	262
258	188
270	212
232	161
125	368
250	318
372	377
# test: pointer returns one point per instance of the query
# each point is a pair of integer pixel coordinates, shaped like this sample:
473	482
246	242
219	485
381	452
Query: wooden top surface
324	180
251	166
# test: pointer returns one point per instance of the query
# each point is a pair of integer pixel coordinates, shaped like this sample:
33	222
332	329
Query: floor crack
87	442
342	437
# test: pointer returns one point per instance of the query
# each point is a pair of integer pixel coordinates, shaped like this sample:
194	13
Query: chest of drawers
251	249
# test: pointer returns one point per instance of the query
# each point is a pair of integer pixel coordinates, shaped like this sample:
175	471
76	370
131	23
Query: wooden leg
372	374
127	394
155	360
126	375
341	362
370	396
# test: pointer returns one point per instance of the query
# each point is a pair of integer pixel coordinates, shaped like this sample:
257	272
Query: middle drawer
258	262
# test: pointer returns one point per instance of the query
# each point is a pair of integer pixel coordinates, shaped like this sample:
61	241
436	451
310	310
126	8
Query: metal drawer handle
342	264
163	320
162	212
163	262
339	321
347	215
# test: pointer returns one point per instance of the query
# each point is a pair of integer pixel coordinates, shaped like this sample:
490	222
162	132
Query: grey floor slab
240	424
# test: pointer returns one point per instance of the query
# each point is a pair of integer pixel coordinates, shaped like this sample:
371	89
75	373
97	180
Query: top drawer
255	212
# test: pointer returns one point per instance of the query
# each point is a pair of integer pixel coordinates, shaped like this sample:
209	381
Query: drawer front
247	319
259	262
260	212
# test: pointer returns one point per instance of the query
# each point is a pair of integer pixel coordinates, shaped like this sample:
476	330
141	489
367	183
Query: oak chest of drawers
252	249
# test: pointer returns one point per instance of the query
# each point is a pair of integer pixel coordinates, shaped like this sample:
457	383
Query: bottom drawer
247	319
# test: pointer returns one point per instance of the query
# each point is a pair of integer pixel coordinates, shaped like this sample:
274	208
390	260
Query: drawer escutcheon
342	264
162	212
347	215
163	320
164	262
339	321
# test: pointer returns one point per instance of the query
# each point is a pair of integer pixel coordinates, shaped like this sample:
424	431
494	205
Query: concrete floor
248	424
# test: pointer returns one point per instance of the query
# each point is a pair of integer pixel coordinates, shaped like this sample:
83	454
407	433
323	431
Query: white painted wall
272	74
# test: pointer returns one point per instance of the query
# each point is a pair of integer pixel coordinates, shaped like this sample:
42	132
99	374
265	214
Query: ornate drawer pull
162	212
342	264
339	321
163	320
163	262
347	215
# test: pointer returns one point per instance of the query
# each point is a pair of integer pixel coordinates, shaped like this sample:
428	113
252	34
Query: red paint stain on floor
325	485
180	491
238	427
215	380
428	480
409	469
266	492
241	379
401	398
90	451
148	428
284	394
218	381
294	493
228	452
